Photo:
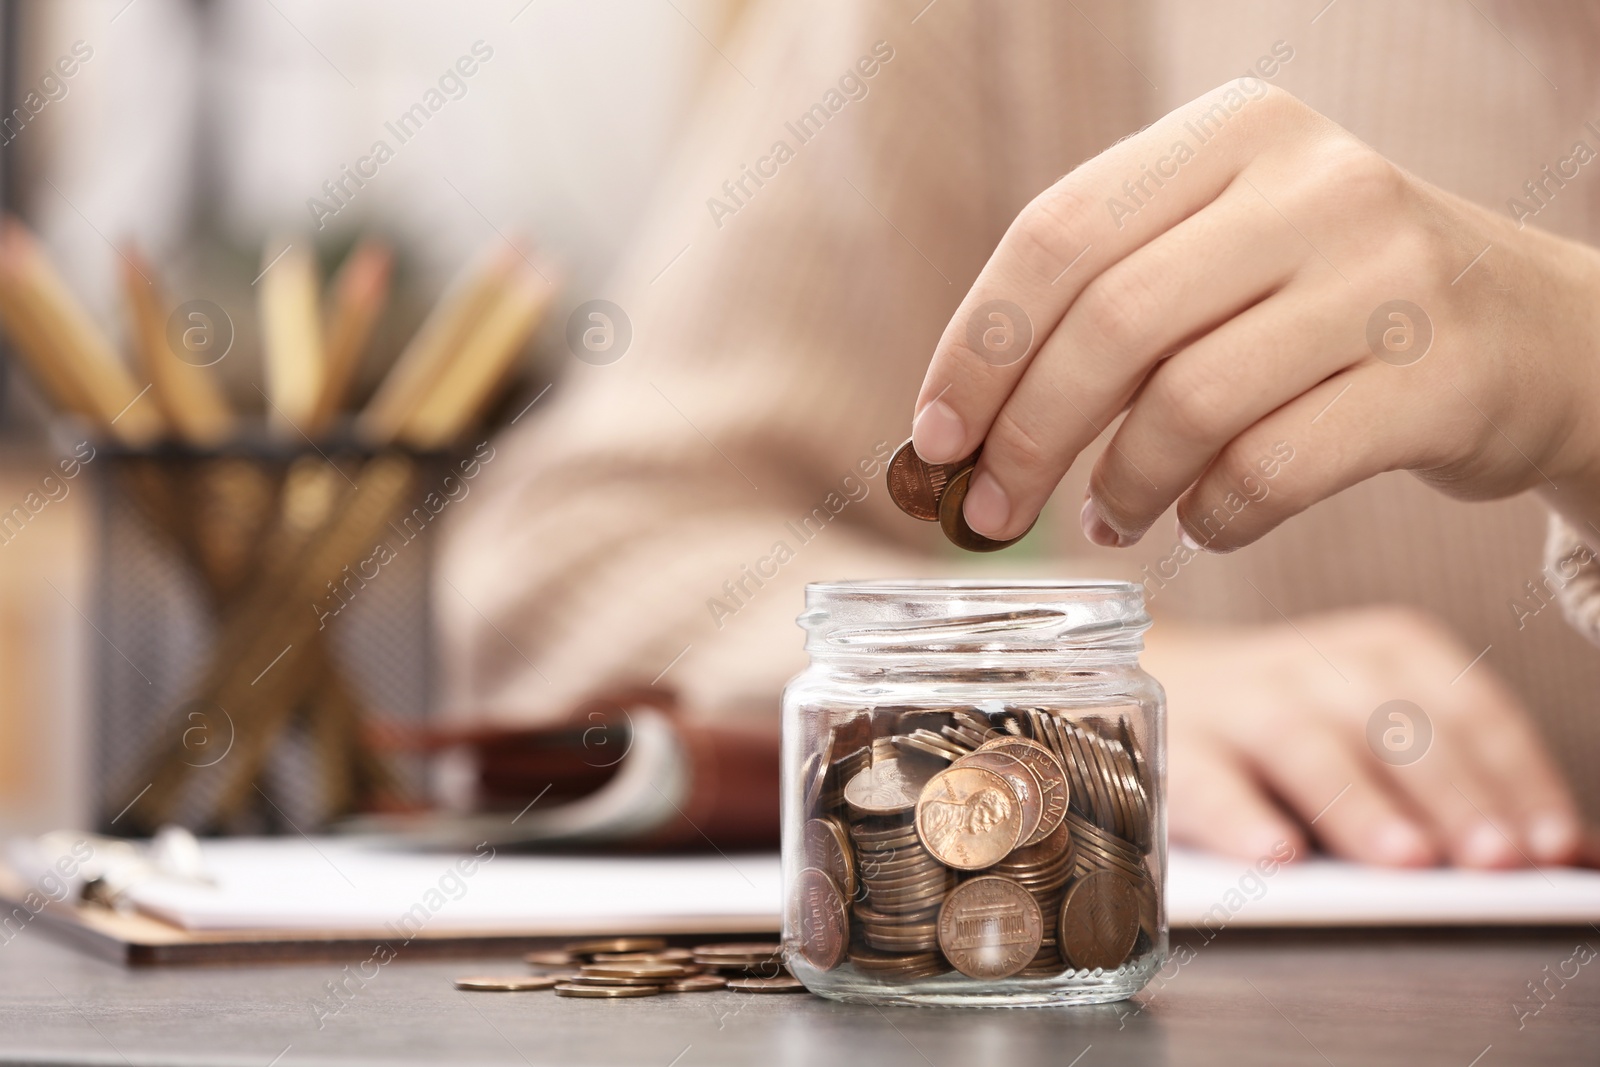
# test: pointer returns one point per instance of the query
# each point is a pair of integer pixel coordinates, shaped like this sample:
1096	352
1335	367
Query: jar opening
967	616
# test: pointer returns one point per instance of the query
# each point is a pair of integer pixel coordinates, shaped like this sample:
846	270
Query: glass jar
974	806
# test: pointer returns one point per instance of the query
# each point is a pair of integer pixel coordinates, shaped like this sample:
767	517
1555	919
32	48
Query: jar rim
968	586
965	616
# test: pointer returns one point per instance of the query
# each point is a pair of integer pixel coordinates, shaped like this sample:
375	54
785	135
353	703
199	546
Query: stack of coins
1003	843
935	492
625	968
903	888
742	959
828	769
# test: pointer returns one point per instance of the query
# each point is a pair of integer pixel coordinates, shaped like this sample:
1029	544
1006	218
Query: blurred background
198	131
225	140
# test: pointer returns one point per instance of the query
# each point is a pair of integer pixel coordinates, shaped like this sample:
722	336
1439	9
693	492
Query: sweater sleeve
1571	571
655	518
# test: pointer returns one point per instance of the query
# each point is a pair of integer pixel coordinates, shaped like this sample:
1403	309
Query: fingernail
1186	541
937	434
987	507
1552	837
1400	843
1484	847
1095	528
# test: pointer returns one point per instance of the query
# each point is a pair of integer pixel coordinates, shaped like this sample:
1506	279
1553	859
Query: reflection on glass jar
974	807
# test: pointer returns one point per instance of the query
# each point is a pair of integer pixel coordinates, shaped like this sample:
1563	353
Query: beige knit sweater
661	513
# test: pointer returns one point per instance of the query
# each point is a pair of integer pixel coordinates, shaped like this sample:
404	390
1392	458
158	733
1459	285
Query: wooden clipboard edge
136	940
139	940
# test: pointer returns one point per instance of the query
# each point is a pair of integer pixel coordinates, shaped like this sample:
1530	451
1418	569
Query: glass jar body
974	808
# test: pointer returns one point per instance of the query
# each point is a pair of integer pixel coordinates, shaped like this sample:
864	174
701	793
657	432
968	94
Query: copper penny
1052	847
549	959
1099	920
824	922
915	486
1023	782
695	983
739	951
954	523
783	984
642	969
827	845
1054	792
606	992
885	788
507	983
990	927
968	818
616	944
666	955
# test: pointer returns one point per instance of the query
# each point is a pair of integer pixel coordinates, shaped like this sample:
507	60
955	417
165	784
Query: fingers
1284	463
1464	813
1200	399
1487	785
1328	783
1543	814
1120	326
1218	805
1071	233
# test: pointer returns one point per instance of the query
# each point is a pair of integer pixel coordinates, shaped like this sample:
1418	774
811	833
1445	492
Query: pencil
469	383
187	394
359	292
291	338
437	341
87	373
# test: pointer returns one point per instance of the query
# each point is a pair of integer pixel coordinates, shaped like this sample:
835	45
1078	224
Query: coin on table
824	920
600	979
915	486
549	959
1053	790
606	992
739	951
766	985
616	944
1023	782
968	818
695	983
1099	920
666	955
507	983
990	927
885	788
637	969
954	523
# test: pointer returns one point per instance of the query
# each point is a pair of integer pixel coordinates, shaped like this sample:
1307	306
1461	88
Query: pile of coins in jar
997	844
619	968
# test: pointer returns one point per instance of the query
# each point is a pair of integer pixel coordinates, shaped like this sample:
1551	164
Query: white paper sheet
1209	891
337	883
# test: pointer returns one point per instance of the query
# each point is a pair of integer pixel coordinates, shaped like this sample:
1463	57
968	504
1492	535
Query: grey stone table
1460	1001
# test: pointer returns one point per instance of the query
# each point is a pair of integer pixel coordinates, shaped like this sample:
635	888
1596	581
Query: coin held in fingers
954	523
915	486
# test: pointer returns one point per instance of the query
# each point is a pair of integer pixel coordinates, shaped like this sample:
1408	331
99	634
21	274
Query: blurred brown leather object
732	801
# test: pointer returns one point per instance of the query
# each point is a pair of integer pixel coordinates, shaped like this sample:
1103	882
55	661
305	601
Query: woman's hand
1245	276
1268	743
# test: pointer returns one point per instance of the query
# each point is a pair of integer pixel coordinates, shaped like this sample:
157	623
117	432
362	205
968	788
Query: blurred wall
200	129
